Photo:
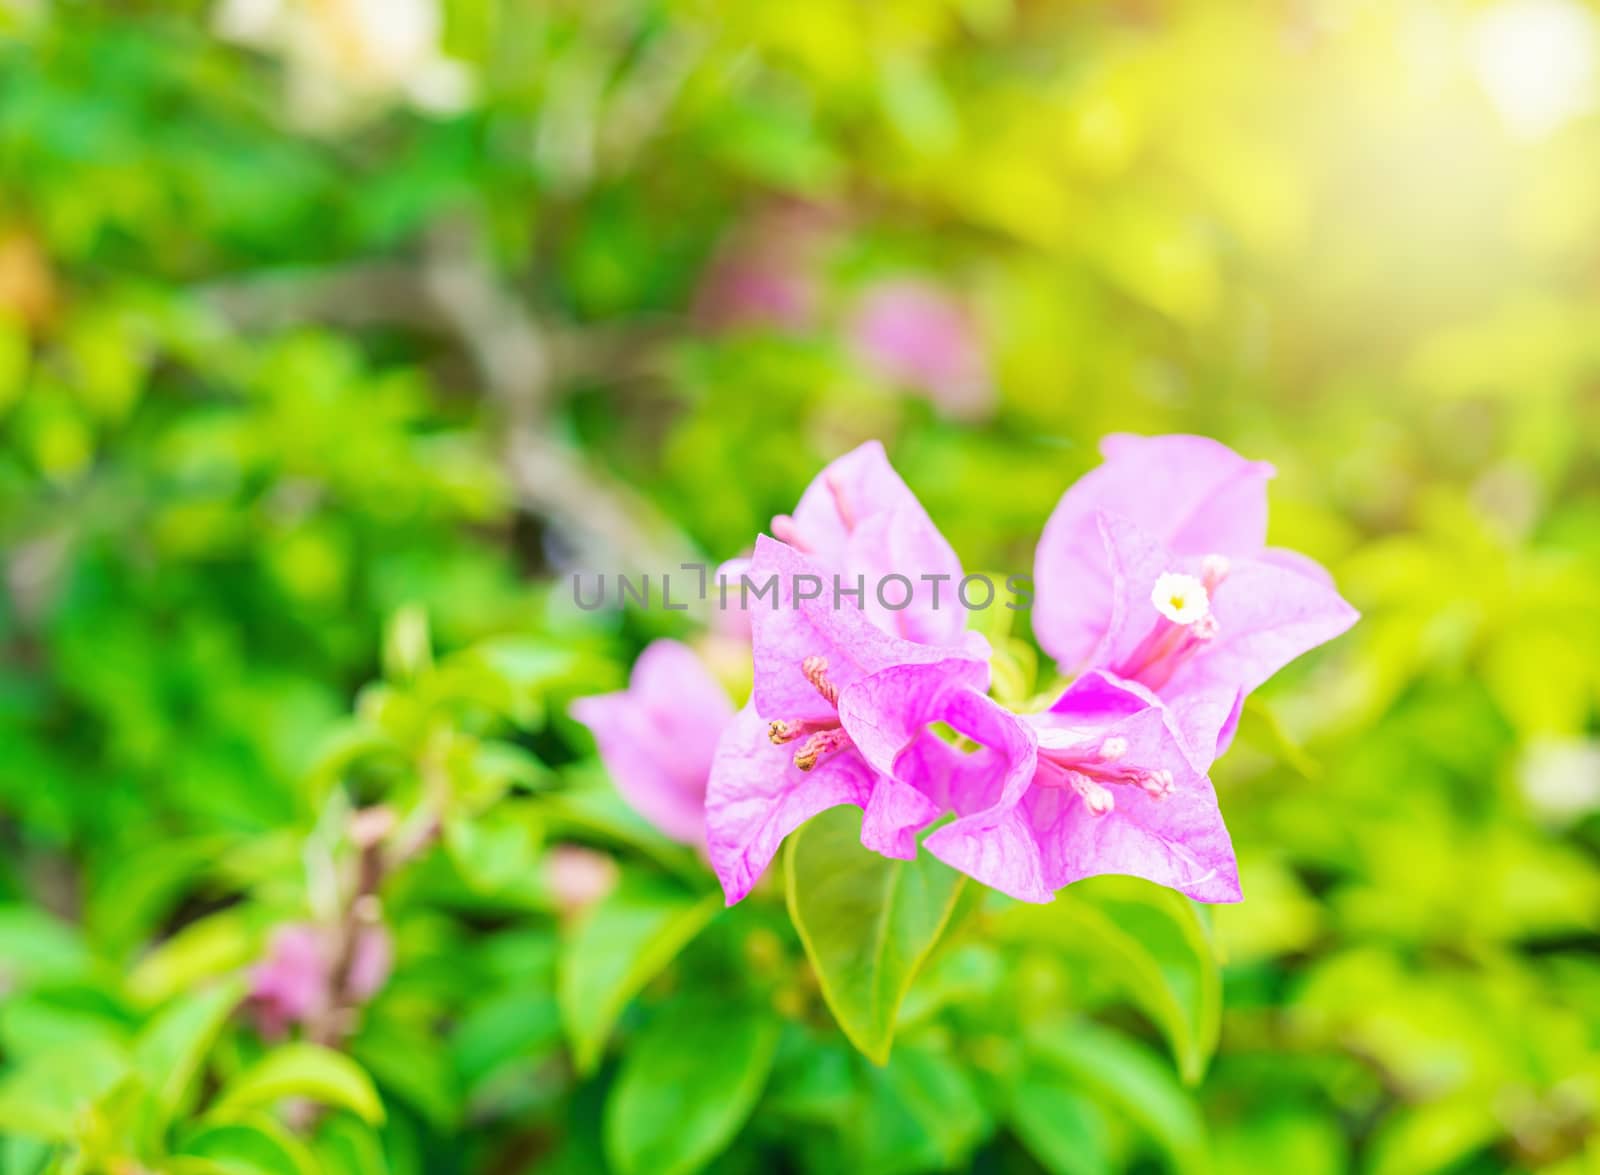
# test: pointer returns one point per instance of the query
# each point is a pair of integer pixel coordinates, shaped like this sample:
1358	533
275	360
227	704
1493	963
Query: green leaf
513	674
203	950
407	645
410	1067
300	1070
137	889
1259	727
56	1020
622	944
257	1146
1291	1137
867	922
24	1156
196	1165
1126	1076
171	1048
686	1087
1418	1140
519	1025
922	1112
1060	1129
50	1095
1152	943
497	850
34	946
345	1146
14	361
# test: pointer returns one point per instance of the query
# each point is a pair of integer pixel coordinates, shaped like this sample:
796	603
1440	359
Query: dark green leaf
686	1086
1126	1076
171	1049
620	946
1060	1129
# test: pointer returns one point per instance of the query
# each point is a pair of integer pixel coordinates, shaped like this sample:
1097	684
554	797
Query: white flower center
1182	599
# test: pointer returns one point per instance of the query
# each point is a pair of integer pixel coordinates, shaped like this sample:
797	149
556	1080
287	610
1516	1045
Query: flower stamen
1096	797
785	530
781	731
1158	785
823	742
1181	598
1093	772
815	670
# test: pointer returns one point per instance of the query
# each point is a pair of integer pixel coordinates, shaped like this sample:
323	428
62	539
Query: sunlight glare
1536	60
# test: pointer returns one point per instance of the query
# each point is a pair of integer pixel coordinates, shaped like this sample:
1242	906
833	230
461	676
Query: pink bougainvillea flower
858	520
1154	568
1099	783
915	334
658	736
787	756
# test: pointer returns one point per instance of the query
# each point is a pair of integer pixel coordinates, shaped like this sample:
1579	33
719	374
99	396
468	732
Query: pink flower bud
371	961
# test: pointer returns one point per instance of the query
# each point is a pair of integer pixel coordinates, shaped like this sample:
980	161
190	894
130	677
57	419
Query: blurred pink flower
914	334
290	986
371	960
296	982
578	877
767	273
757	289
657	737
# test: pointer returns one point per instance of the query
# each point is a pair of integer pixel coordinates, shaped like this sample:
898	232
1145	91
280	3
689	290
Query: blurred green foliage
332	335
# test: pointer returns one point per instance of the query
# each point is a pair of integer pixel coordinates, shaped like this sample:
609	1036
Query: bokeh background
335	334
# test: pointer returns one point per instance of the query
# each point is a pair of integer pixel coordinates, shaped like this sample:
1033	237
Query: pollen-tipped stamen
1186	624
1092	773
781	732
823	742
1158	785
